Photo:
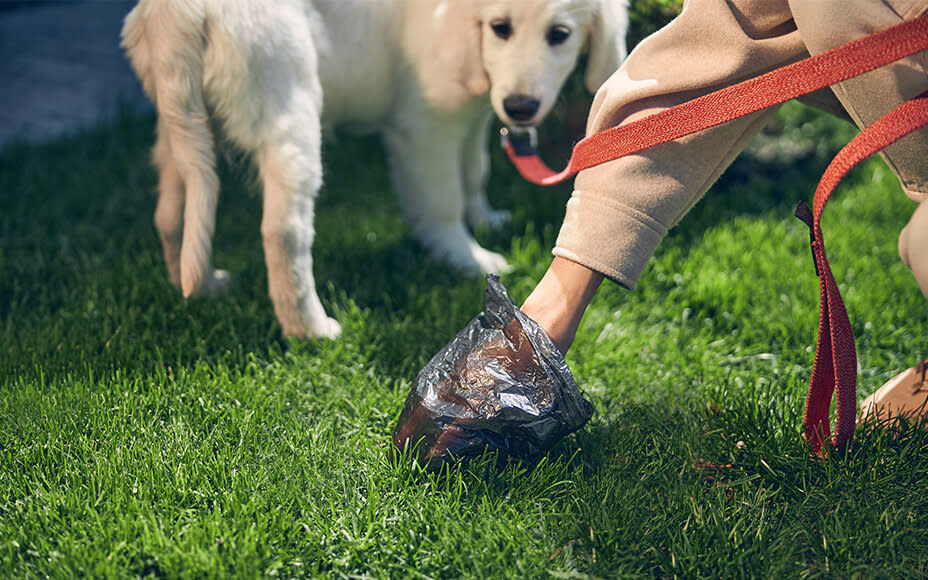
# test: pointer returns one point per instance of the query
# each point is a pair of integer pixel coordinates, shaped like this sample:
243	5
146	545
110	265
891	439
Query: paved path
61	67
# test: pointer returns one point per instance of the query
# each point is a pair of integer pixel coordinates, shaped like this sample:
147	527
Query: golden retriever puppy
426	75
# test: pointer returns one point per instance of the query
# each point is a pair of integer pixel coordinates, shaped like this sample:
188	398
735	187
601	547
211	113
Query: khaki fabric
620	211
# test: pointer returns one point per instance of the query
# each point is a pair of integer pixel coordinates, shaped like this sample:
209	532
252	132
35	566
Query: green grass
142	435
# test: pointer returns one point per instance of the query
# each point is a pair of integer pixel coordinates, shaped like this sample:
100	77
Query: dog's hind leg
169	220
186	160
169	215
163	43
291	174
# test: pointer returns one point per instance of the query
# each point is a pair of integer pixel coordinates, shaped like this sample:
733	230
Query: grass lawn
144	435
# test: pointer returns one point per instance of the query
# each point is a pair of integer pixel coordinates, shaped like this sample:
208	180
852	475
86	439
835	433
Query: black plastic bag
499	385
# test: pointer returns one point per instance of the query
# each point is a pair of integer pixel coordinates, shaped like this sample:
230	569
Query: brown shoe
904	395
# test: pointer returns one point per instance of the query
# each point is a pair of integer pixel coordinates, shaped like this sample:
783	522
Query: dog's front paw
490	263
214	285
326	328
452	243
480	214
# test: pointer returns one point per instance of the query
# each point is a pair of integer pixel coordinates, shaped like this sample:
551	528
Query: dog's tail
165	41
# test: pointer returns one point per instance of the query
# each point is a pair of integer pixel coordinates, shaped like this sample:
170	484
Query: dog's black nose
521	107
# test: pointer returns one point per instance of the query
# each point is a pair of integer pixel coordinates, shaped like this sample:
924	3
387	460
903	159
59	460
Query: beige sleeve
620	210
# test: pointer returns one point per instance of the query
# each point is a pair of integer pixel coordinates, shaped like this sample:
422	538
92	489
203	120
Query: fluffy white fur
426	74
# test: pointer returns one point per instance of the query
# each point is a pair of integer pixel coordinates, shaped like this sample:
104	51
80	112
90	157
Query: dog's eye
502	29
557	34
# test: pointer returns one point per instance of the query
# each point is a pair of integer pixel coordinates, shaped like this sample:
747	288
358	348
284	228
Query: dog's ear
444	40
456	25
606	42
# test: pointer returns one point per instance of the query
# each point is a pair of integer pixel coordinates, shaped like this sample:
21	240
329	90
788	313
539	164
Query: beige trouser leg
827	23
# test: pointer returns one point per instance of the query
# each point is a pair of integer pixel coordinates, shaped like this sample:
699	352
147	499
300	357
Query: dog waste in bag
499	385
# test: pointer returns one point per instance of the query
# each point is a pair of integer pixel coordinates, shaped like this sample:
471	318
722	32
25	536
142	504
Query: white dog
425	74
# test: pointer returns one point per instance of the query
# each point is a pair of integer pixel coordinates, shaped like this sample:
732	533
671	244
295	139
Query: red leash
835	366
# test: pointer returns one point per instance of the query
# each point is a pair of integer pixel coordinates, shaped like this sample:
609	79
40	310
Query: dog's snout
521	107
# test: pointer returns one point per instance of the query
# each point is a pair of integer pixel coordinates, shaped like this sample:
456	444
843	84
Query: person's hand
559	300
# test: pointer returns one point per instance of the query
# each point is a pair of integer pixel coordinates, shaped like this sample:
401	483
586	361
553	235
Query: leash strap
835	366
773	88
